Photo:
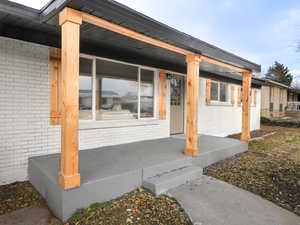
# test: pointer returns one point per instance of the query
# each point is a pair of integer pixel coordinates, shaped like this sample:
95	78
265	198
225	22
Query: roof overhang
41	26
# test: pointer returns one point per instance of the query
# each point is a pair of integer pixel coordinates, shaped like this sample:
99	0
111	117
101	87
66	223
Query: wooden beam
138	36
223	64
192	79
245	136
70	21
130	33
162	94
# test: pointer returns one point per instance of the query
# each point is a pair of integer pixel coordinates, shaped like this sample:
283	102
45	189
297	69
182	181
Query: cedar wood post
245	136
192	79
70	21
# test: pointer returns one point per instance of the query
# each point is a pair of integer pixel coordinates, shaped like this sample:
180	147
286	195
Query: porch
108	172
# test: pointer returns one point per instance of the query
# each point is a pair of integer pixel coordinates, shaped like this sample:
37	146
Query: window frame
219	92
140	67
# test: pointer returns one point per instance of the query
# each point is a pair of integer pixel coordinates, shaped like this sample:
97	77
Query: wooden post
245	136
192	79
70	21
162	94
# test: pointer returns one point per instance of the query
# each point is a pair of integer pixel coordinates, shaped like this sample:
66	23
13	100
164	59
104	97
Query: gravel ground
20	200
271	168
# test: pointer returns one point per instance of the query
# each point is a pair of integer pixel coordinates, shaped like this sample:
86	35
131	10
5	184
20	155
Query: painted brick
25	130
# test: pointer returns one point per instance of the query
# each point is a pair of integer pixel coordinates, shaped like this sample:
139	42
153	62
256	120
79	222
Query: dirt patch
18	195
271	168
265	130
138	208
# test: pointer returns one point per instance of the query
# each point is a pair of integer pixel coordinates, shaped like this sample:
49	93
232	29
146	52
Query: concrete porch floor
108	172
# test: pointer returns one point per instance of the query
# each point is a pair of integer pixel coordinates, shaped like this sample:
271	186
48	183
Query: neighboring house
293	101
274	98
123	78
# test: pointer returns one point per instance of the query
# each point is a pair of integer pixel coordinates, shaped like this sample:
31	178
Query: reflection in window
219	91
214	91
85	89
116	91
223	92
147	93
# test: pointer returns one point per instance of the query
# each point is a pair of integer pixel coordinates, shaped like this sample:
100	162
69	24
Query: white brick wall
24	108
24	113
219	120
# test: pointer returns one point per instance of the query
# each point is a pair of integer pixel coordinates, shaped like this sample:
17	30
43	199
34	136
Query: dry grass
271	168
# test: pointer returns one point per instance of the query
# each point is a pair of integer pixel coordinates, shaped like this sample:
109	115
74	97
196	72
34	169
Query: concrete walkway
212	202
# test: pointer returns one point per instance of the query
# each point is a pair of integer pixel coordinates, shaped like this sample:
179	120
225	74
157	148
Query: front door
177	105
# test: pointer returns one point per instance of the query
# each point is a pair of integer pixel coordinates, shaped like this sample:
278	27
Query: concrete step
166	167
162	183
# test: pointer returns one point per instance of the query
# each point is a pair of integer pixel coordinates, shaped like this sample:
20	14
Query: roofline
271	82
53	7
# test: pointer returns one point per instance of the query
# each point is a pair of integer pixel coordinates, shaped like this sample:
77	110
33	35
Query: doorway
177	104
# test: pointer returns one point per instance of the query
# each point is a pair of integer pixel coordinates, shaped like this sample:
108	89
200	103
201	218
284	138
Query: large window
219	91
120	91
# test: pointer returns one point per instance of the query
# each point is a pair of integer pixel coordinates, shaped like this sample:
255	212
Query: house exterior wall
224	119
277	96
25	128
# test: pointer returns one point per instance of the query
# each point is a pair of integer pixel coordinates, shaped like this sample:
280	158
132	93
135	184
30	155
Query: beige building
274	98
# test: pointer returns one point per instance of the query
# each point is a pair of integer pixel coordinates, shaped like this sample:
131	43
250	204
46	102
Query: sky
262	31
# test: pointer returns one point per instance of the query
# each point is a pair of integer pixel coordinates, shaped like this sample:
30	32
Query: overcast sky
259	30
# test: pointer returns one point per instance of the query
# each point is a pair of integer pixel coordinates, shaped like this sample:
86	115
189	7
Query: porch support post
69	21
245	136
192	79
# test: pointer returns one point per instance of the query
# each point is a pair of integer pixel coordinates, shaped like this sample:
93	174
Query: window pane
85	89
214	91
116	91
223	92
147	93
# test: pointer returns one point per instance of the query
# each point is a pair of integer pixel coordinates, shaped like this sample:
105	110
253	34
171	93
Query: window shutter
239	99
232	95
55	88
208	91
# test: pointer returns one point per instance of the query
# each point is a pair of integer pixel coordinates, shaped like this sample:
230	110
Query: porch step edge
162	183
160	169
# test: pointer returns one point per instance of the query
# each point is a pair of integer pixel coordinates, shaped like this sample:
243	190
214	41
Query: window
280	107
116	91
85	89
271	107
120	91
147	93
219	91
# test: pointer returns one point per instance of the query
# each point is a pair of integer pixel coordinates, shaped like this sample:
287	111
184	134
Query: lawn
271	167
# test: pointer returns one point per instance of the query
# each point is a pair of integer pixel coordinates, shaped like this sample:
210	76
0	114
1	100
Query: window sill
227	104
106	124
